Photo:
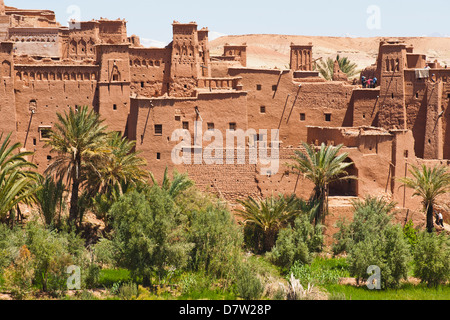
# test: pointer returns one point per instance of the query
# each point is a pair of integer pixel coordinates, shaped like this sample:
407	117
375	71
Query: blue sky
356	18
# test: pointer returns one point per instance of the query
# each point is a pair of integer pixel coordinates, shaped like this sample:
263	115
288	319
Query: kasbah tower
148	93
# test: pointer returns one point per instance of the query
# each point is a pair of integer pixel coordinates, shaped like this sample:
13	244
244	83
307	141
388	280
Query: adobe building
148	93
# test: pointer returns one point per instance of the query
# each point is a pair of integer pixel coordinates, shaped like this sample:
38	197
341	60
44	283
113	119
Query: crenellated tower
186	62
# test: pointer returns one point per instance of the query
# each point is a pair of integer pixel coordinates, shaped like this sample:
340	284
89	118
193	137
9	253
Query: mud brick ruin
147	93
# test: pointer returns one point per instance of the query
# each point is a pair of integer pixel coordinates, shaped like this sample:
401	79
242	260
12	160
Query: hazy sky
356	18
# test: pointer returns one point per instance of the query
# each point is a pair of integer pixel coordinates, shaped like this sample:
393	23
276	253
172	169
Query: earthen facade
148	93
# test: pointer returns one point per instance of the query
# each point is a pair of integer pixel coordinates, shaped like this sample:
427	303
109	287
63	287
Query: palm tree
18	182
326	68
322	167
49	199
120	167
429	184
79	140
269	215
120	171
180	183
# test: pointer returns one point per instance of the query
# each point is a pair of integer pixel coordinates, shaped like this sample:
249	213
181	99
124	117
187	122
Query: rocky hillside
269	51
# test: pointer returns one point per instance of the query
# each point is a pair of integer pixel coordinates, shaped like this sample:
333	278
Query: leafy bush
432	258
148	234
411	234
217	241
20	274
295	243
54	252
11	240
128	291
388	250
248	285
371	216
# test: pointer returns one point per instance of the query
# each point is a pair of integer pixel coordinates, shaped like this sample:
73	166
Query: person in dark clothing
363	81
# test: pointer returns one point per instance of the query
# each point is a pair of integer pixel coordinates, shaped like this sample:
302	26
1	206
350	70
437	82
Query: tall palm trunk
430	223
320	197
269	239
73	214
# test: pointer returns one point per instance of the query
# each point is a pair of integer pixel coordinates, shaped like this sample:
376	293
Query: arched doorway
346	188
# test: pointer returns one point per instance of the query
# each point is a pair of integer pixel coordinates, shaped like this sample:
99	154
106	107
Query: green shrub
19	275
295	243
411	234
432	258
217	241
54	252
371	216
128	291
91	276
148	234
248	285
10	243
388	250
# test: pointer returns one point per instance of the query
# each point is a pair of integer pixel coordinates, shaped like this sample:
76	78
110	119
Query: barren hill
269	51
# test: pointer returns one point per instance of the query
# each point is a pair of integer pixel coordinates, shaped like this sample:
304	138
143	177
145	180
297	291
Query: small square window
210	126
45	133
158	156
186	125
177	118
49	158
258	87
302	116
158	129
262	109
274	87
232	126
448	95
328	117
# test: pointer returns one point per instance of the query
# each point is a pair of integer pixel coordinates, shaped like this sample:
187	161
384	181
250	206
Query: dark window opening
392	95
232	126
34	141
177	118
448	95
186	125
114	106
417	95
158	129
158	156
302	116
274	87
328	117
142	84
49	158
45	133
210	126
263	109
258	87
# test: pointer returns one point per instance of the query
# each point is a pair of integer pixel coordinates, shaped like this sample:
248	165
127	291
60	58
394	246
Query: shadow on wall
346	188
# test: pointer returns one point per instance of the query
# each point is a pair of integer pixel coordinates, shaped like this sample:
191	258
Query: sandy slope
269	51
